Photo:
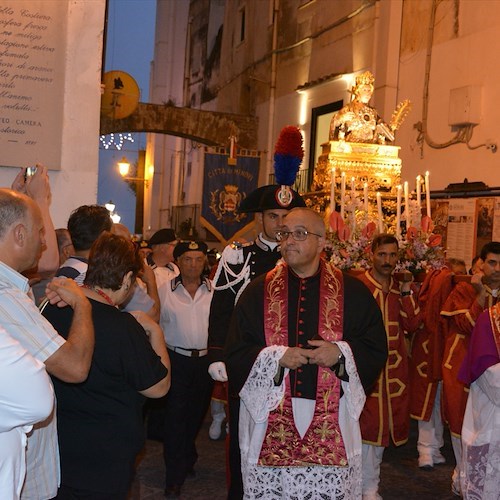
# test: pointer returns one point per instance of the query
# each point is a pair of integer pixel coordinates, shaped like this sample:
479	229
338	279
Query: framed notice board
466	224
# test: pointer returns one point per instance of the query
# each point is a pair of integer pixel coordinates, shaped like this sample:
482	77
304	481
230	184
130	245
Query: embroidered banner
224	187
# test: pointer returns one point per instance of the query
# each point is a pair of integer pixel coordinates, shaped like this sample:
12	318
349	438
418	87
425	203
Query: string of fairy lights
116	141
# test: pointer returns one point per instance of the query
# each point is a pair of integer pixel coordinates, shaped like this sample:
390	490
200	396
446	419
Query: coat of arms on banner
224	203
224	188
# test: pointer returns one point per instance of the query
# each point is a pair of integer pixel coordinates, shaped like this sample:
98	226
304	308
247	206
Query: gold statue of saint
360	122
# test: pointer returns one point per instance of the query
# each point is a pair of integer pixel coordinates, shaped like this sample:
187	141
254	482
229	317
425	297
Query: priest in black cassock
239	264
306	343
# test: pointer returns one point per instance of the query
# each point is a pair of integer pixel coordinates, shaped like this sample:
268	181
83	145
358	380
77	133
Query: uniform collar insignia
264	245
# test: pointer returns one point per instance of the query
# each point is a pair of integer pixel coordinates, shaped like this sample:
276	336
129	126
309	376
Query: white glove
217	371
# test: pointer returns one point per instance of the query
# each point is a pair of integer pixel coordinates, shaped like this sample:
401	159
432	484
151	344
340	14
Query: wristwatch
340	366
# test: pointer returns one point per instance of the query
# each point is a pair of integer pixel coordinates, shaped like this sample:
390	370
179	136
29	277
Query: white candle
380	217
427	194
342	194
365	196
419	192
398	213
332	192
353	188
407	205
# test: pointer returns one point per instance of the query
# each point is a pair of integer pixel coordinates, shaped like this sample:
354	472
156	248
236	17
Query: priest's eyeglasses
297	235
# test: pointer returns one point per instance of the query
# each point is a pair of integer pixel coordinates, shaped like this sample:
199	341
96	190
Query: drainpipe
272	95
181	156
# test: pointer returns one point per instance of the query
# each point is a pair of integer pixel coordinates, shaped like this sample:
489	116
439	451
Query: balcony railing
186	221
302	181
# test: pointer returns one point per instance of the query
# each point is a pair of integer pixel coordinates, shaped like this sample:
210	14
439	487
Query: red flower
336	222
411	233
427	224
434	240
369	230
344	233
410	254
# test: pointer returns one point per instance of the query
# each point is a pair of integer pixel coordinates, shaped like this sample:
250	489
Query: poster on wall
484	234
461	231
32	60
439	211
496	221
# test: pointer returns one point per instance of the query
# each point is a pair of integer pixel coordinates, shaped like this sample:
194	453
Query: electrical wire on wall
464	133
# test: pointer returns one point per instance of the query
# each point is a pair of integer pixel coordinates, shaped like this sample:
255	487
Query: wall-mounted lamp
124	168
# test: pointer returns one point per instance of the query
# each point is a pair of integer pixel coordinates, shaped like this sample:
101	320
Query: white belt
191	353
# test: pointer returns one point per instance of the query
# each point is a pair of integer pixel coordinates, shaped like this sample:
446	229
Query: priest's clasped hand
324	353
295	357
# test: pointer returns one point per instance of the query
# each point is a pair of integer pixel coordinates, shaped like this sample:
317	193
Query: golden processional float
357	184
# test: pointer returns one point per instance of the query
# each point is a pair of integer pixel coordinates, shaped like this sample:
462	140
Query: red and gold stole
322	444
495	324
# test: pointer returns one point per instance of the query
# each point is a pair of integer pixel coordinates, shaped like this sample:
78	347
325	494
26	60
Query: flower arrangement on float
421	248
348	246
347	249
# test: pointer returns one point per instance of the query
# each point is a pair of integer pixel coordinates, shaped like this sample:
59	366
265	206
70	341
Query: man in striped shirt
21	243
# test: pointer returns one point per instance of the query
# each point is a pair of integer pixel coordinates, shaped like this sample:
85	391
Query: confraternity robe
462	310
386	413
253	365
480	478
428	343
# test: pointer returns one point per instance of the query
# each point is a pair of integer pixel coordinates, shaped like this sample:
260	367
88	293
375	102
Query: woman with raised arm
100	420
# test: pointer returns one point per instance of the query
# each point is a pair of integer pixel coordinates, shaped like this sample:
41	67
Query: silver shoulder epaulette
232	254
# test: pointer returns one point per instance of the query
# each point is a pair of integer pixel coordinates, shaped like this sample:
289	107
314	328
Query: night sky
130	43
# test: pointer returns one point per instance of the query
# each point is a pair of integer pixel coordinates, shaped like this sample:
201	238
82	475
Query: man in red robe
426	360
386	415
462	308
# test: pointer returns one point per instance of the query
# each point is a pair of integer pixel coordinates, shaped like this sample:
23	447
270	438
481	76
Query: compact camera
30	172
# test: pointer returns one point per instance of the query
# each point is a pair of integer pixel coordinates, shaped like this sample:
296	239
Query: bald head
21	230
304	240
309	217
13	208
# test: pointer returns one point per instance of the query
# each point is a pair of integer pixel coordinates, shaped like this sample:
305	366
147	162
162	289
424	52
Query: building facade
293	62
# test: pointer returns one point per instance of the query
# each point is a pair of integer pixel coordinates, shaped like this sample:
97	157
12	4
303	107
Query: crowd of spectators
102	337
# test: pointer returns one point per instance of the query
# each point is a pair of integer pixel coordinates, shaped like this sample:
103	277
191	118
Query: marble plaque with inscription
32	62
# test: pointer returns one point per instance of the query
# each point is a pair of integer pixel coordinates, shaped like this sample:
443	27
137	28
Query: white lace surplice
259	396
481	438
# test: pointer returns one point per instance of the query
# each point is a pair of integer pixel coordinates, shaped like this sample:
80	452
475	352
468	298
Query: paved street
400	478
